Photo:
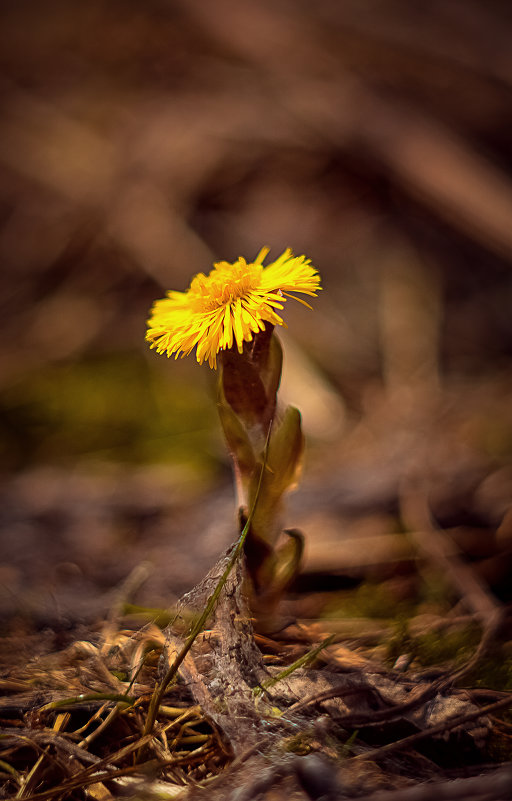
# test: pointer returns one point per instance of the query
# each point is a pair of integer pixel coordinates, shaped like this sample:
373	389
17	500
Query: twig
375	716
432	541
334	692
457	720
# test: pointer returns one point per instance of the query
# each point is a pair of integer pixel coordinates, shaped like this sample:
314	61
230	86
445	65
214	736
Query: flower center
223	285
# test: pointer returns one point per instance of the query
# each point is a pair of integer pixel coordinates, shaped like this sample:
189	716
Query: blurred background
140	142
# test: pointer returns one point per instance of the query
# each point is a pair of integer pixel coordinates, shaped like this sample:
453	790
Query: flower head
229	305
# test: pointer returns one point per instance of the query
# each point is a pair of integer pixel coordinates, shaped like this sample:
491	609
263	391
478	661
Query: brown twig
335	692
375	716
441	728
442	552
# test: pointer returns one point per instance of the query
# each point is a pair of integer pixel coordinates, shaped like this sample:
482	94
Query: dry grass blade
302	661
95	773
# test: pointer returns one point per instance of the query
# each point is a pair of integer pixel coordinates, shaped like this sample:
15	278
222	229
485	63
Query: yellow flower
229	305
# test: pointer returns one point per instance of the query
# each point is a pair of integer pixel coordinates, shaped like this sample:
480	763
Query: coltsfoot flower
229	305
